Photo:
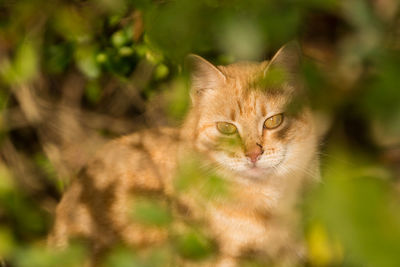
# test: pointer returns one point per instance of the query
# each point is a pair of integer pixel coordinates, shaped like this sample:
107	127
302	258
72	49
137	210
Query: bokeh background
74	74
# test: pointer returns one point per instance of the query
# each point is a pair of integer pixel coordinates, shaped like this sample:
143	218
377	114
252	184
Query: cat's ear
287	60
204	75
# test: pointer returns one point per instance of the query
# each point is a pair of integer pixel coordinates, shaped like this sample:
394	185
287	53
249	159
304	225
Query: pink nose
255	153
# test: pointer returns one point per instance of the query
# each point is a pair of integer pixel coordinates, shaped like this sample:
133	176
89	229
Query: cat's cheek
228	161
207	141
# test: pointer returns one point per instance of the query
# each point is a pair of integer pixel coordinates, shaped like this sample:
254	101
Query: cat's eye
273	122
226	128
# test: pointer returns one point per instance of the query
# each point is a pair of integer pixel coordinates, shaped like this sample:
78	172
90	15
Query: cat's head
252	118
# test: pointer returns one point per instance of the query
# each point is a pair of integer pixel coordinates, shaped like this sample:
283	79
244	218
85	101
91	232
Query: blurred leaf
85	57
119	38
382	96
273	78
152	53
58	57
323	251
178	99
114	19
101	58
194	245
44	163
361	210
93	91
4	96
160	257
7	242
182	16
26	217
230	142
194	178
318	87
24	66
71	24
327	4
215	186
122	257
242	38
151	212
161	72
125	51
189	174
40	256
6	180
154	257
118	6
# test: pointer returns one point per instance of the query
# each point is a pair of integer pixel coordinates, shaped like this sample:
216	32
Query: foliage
76	73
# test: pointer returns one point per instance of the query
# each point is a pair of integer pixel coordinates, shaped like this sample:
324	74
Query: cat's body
264	149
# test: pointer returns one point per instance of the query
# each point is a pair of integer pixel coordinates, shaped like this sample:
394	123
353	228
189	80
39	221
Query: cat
251	124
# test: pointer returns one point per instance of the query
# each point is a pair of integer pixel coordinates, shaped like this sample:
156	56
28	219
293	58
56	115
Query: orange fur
260	215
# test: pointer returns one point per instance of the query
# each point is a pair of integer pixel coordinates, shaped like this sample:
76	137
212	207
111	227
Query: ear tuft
204	75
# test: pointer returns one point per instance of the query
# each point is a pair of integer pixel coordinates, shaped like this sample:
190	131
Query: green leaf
358	207
6	180
122	257
119	38
151	212
43	257
58	57
194	245
24	66
161	72
7	242
178	99
93	91
85	58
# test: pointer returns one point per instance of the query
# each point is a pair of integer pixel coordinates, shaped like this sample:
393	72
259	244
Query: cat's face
249	123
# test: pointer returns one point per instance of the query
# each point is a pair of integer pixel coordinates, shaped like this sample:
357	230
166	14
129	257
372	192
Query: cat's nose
254	153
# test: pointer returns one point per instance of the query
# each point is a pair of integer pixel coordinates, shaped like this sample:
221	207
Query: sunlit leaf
178	99
44	257
58	57
85	57
71	24
119	38
194	245
322	249
121	257
6	180
151	212
359	208
93	92
7	242
44	163
242	38
161	72
24	66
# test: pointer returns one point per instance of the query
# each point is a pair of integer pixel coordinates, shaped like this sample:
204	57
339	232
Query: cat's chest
236	228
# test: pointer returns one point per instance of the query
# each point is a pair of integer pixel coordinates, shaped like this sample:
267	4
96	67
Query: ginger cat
250	123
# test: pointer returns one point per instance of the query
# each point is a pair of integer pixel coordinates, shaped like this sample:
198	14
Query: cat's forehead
248	78
243	90
238	105
244	71
242	96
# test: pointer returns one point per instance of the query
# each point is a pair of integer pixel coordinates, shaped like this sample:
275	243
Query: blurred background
74	74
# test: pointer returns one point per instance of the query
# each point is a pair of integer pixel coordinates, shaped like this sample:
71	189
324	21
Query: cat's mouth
258	171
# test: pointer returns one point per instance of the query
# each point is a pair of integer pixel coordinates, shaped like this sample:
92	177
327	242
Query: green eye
226	128
273	122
